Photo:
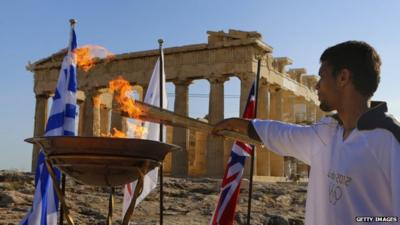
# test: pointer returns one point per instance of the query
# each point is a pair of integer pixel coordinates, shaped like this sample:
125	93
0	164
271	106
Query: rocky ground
186	202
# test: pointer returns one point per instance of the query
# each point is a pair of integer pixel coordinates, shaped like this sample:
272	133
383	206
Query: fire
137	130
140	131
118	134
84	60
123	90
87	54
115	133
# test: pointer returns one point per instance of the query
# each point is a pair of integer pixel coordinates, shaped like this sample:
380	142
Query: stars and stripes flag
61	121
153	133
230	188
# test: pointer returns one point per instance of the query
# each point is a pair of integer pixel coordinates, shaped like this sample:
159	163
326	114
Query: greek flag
61	121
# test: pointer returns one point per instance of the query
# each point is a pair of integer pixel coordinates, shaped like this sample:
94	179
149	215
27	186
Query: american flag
60	122
230	188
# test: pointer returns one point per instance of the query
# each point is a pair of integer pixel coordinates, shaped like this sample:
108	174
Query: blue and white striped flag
60	122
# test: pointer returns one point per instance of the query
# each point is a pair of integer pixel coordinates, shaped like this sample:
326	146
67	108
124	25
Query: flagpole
63	192
72	23
253	146
160	42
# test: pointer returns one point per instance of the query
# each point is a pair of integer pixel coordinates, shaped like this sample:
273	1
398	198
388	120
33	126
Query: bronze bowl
103	161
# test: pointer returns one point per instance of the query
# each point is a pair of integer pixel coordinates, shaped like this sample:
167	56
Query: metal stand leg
56	186
110	206
138	191
250	185
161	195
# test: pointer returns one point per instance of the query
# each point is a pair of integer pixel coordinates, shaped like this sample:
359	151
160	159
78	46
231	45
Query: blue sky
301	30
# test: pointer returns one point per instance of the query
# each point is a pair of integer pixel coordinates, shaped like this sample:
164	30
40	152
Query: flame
140	131
84	59
115	133
118	134
122	91
137	130
87	54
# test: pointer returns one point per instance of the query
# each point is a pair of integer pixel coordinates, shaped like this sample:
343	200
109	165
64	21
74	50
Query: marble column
288	107
40	125
276	103
81	114
105	114
262	154
167	163
80	101
215	145
311	112
246	81
180	160
276	161
263	100
288	116
300	110
290	170
92	113
200	154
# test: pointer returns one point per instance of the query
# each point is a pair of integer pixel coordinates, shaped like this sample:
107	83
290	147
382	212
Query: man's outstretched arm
282	138
239	125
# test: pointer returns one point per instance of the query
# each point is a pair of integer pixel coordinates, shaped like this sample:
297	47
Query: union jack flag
230	187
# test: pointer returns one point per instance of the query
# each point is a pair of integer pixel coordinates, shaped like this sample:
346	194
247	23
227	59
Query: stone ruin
285	94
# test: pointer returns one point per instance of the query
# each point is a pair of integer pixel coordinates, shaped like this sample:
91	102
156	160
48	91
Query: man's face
328	93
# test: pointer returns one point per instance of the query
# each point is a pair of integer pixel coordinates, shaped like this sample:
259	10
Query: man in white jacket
354	155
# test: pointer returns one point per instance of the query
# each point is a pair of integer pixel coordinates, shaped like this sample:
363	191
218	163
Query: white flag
153	133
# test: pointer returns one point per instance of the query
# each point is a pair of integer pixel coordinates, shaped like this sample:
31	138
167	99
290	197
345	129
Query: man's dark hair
361	59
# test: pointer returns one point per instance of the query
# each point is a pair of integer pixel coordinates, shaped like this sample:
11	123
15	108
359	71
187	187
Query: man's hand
232	124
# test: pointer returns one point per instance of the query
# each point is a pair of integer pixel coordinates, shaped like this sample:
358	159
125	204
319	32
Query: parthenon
284	94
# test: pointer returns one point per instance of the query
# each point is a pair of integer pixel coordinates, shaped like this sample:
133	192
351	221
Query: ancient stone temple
285	94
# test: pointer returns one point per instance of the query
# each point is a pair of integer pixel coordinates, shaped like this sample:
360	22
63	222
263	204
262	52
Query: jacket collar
375	113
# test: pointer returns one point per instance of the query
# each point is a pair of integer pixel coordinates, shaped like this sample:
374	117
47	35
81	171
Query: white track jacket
350	180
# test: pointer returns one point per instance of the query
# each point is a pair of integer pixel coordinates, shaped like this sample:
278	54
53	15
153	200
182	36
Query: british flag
230	187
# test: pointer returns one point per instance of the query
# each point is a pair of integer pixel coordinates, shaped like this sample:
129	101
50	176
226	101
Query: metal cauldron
103	161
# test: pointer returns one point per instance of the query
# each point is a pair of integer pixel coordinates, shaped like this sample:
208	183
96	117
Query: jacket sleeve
289	139
395	176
